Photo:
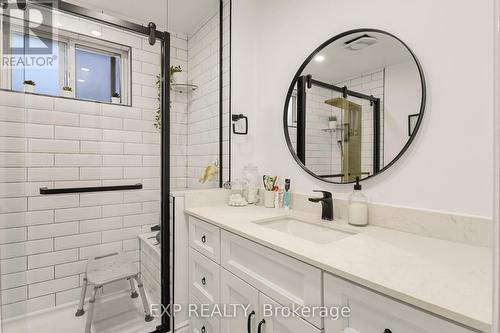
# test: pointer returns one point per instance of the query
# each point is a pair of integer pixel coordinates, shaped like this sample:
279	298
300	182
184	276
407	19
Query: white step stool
108	269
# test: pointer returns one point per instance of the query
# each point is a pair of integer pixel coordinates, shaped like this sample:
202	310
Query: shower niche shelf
183	88
332	130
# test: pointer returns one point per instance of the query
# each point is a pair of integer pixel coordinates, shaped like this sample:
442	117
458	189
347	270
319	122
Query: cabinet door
236	291
280	324
374	313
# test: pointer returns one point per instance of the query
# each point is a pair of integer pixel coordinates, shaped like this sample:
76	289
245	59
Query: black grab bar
45	190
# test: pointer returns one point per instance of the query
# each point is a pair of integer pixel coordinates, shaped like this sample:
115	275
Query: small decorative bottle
358	206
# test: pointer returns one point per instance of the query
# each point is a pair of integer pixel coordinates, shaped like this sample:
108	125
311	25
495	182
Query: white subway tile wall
203	104
55	142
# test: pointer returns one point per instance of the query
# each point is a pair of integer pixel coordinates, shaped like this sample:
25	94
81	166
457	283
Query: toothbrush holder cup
269	199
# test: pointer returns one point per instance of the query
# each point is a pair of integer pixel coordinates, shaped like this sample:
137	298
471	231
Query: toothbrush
286	195
277	197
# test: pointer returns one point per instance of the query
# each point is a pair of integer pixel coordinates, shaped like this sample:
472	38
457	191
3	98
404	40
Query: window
98	75
95	70
49	76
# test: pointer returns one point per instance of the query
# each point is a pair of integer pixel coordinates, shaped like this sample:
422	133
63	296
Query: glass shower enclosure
100	119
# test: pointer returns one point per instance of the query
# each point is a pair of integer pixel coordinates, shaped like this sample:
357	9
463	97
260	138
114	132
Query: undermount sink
311	232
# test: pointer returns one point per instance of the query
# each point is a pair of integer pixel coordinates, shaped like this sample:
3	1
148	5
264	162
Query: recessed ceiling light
81	80
319	58
96	33
85	69
59	24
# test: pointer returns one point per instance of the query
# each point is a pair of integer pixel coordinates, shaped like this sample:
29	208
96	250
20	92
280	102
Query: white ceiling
181	16
341	63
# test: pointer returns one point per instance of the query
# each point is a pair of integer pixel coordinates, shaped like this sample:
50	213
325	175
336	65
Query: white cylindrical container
269	199
358	207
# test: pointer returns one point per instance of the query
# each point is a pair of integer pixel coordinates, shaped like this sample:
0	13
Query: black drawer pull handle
262	322
387	330
204	282
203	329
249	321
203	239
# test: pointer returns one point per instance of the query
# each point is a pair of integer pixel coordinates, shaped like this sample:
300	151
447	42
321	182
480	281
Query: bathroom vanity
392	281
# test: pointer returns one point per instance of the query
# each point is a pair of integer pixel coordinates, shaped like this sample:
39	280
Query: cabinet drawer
286	280
205	238
199	324
279	324
204	278
374	313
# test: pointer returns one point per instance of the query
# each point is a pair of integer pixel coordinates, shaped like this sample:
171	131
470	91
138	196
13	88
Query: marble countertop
449	279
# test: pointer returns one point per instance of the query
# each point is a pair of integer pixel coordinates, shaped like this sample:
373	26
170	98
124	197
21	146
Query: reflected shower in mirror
354	106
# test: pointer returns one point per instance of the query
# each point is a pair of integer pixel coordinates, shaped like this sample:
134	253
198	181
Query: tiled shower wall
179	114
203	104
56	142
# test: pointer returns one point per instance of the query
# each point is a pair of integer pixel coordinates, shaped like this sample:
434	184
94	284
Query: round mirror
354	106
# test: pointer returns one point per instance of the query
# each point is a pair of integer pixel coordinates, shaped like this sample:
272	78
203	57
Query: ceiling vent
360	43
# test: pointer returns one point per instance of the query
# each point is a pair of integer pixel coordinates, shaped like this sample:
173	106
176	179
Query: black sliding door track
95	15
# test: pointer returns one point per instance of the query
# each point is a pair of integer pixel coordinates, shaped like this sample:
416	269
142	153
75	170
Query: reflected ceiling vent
360	43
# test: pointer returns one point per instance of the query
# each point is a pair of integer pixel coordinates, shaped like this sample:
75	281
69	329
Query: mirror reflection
355	106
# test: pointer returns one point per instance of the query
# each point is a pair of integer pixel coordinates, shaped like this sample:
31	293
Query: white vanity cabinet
225	268
373	313
248	273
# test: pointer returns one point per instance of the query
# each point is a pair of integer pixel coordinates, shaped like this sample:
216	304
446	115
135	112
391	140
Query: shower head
342	103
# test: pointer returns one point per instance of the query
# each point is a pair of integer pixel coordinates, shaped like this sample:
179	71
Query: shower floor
113	314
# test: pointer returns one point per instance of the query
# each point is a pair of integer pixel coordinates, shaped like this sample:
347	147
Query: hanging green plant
173	70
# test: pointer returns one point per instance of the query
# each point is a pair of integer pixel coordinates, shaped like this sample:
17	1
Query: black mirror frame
304	65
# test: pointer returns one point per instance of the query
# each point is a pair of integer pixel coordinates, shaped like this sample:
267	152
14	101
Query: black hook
309	81
152	33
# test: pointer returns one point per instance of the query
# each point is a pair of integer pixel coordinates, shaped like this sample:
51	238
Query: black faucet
326	205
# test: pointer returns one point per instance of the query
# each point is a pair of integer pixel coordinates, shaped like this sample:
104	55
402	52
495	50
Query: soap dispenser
358	206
